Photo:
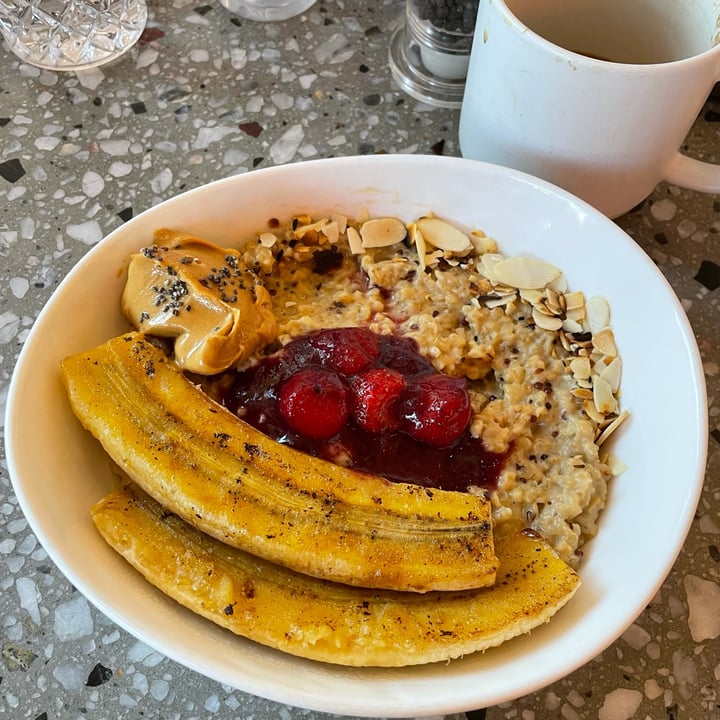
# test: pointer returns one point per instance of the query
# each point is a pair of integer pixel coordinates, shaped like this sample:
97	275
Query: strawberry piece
315	403
348	351
437	409
377	393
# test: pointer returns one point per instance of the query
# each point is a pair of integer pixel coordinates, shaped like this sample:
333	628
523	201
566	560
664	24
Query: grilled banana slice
327	621
233	482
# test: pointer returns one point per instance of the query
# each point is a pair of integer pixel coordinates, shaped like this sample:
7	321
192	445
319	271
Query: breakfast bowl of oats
385	420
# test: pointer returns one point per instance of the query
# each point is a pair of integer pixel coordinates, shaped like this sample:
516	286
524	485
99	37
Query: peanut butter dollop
186	288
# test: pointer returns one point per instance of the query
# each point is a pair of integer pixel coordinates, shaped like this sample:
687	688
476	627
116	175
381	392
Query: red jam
370	402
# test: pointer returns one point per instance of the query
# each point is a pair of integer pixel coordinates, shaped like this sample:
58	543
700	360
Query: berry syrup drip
370	402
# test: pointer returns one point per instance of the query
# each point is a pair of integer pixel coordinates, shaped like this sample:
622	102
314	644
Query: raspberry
437	409
348	351
315	403
377	394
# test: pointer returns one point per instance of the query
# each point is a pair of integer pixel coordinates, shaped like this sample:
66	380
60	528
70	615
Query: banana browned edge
231	481
326	621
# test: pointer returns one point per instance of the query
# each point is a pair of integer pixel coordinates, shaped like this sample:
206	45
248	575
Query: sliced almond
612	427
576	314
482	243
382	232
331	231
546	322
592	412
603	397
532	297
612	372
444	236
617	467
341	220
309	231
416	238
487	264
354	241
559	284
571	326
604	342
598	314
580	368
574	300
525	273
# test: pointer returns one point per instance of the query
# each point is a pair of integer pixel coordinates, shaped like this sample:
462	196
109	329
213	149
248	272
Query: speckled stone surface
203	96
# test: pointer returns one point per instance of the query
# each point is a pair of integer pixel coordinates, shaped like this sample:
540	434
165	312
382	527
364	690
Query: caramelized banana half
231	481
327	621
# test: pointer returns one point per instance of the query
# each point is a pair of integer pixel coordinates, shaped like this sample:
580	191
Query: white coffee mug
596	96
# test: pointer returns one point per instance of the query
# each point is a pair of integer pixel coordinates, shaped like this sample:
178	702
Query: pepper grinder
430	51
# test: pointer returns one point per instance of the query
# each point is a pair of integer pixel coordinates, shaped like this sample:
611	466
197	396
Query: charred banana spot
252	450
222	438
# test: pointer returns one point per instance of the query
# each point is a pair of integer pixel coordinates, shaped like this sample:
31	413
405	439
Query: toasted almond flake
486	265
582	393
592	412
382	232
444	236
482	243
576	315
525	272
341	220
268	239
543	309
499	301
309	232
604	342
575	299
612	427
546	322
559	284
533	297
354	241
331	231
580	368
571	326
598	314
603	397
612	373
556	301
416	238
617	467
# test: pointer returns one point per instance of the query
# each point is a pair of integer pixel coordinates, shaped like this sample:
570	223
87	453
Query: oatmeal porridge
542	387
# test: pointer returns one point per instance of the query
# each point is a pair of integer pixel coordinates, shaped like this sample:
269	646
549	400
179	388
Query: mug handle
693	174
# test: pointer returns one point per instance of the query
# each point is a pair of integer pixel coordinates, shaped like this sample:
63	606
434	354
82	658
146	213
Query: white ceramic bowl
58	471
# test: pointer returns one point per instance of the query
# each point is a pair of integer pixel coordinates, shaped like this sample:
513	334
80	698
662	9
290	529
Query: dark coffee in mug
638	32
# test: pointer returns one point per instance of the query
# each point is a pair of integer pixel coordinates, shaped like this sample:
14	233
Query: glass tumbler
71	34
267	10
430	52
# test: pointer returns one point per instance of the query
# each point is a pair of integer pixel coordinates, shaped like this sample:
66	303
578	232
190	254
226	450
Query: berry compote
367	401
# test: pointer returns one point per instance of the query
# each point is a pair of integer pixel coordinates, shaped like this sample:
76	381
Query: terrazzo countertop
203	96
